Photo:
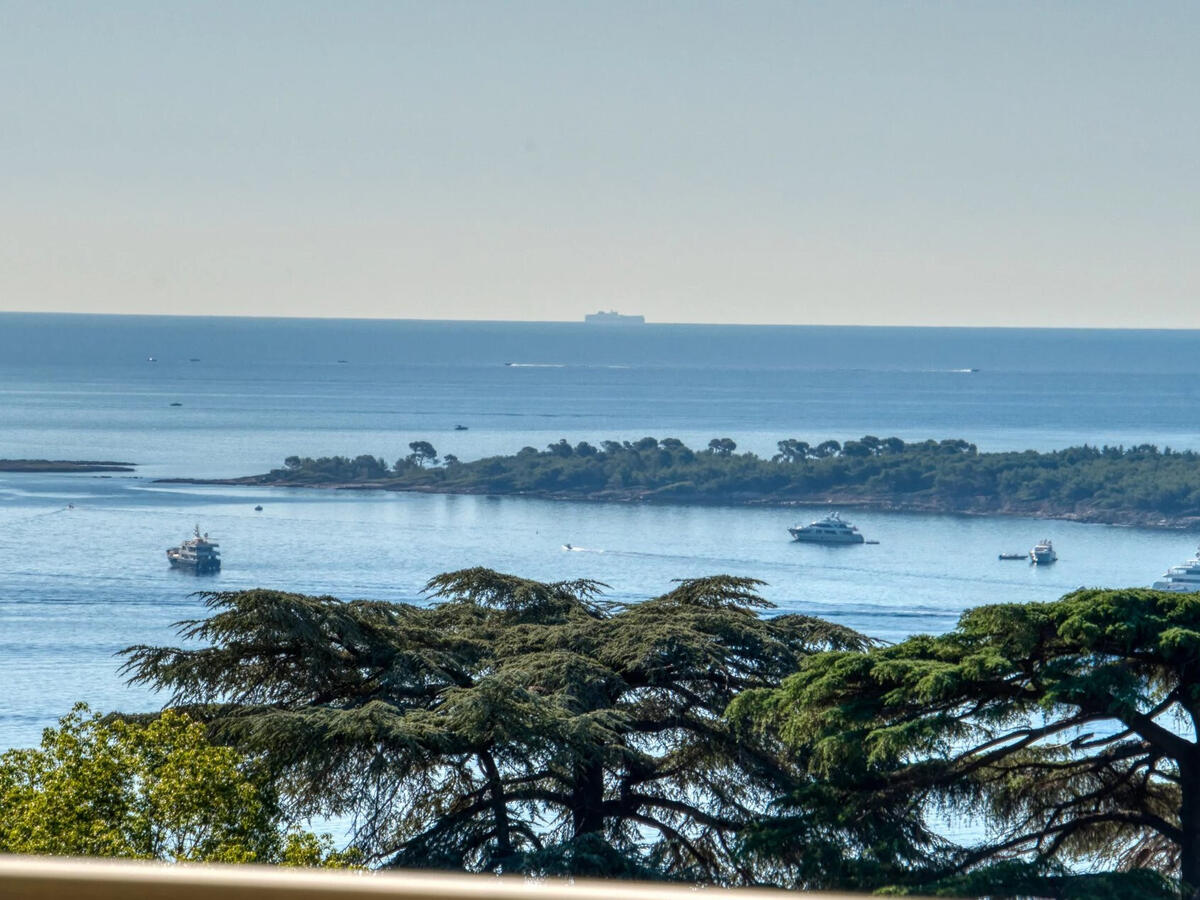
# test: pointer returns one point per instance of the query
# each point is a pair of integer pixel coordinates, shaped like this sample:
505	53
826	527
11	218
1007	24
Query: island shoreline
1127	519
64	465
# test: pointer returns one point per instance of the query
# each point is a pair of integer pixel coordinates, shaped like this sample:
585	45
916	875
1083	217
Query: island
1140	485
64	465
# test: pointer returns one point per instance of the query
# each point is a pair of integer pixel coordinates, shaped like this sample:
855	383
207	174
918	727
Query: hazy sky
863	163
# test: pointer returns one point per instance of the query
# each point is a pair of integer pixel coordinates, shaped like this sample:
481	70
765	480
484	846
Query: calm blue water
76	585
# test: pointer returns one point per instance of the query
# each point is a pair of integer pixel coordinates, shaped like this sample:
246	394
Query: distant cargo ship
613	318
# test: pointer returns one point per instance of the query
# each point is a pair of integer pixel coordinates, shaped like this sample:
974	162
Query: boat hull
1176	587
803	537
195	566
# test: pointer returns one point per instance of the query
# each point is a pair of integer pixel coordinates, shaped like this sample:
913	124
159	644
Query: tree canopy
1067	728
158	790
422	452
510	725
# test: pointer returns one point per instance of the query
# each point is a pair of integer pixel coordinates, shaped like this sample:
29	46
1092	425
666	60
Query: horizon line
580	321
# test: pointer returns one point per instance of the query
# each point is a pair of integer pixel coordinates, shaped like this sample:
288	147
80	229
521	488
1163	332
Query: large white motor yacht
829	530
1184	579
1042	553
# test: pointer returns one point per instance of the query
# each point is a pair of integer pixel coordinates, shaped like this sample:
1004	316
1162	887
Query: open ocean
78	584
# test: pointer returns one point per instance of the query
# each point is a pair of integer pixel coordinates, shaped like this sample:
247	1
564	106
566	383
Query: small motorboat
1013	555
460	427
177	403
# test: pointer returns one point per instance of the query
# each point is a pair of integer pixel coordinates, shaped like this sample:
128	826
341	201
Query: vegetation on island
518	726
1123	485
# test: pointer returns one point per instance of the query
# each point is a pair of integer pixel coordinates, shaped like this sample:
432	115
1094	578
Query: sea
83	572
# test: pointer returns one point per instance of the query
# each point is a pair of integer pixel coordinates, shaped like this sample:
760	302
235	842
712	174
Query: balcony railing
61	878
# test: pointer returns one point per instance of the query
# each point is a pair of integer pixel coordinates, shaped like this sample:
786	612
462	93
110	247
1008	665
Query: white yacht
829	530
1184	579
1042	553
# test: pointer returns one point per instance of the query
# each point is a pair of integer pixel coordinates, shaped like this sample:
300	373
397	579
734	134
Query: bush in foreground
159	790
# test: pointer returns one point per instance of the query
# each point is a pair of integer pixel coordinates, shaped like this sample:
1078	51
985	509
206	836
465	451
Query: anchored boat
1043	553
829	530
197	554
1182	579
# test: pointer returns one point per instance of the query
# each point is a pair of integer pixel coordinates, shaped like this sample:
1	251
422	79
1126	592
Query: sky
888	163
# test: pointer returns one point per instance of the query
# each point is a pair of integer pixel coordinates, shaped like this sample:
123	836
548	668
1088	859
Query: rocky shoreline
1094	516
64	465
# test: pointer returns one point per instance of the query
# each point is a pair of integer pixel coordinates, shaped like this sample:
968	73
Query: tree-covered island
1141	485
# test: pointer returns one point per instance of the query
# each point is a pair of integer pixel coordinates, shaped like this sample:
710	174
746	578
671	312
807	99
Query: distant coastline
1138	486
64	465
872	504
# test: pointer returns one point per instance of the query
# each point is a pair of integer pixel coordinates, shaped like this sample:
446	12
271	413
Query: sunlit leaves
158	790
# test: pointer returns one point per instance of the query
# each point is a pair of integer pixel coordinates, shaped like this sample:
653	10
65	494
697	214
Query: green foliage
335	468
1048	881
1100	484
303	849
422	452
720	446
512	725
159	790
1057	724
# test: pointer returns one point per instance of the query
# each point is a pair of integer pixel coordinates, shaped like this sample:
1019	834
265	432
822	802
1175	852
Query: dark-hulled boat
197	554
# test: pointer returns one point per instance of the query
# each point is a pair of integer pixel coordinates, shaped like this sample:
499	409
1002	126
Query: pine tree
511	725
1069	728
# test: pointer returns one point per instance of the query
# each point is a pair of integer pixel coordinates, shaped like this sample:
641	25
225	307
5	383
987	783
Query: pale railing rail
61	878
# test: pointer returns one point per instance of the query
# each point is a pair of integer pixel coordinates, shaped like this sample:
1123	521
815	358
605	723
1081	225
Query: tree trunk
499	809
587	798
1189	823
